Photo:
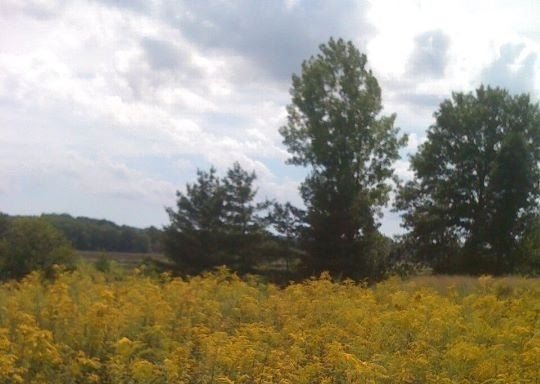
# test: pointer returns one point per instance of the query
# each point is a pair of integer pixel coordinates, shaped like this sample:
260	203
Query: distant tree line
472	206
88	234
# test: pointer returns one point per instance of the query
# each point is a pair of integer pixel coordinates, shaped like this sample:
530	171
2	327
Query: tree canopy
335	127
28	244
216	222
477	182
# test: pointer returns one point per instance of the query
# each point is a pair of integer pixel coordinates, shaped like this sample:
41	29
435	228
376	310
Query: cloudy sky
108	107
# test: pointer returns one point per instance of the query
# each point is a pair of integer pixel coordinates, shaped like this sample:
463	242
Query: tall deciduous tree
477	182
335	128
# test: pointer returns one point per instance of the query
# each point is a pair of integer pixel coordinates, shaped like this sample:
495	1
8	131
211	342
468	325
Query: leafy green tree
194	238
216	222
243	223
288	222
335	128
477	181
529	250
31	244
239	205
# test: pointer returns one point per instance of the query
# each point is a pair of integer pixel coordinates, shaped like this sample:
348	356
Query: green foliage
287	220
194	237
242	220
32	244
477	181
529	250
155	237
238	206
335	128
289	223
216	222
4	223
103	264
103	235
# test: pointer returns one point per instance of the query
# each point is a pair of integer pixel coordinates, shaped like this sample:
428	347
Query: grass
124	259
466	284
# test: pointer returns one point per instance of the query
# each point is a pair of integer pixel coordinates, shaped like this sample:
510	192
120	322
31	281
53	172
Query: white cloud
86	87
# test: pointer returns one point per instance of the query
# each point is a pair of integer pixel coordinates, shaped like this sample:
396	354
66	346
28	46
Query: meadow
124	259
126	327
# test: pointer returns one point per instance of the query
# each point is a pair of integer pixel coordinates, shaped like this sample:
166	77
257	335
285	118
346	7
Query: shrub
30	244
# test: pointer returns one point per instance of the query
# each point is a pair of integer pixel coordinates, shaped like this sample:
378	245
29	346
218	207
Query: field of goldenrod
88	327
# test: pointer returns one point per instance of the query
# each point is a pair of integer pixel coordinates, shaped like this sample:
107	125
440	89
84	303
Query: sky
107	108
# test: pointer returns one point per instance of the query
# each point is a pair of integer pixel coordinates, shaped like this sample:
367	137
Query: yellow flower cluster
87	327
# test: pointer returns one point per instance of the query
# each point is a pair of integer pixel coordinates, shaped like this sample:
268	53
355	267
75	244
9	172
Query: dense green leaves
28	244
476	182
240	210
103	235
528	260
288	222
216	222
335	128
193	238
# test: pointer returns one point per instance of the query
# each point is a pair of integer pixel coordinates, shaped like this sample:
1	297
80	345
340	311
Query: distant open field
125	259
444	284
